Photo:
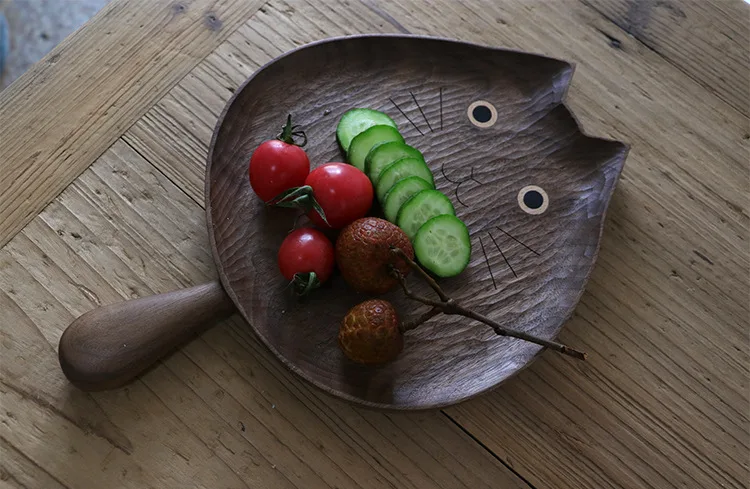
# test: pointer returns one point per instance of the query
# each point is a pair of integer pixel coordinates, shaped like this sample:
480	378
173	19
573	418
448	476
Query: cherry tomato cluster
332	195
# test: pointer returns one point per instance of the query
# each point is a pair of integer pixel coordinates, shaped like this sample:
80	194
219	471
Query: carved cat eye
482	114
533	199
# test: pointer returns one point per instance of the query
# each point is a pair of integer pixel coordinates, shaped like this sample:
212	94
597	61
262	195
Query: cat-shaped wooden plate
491	123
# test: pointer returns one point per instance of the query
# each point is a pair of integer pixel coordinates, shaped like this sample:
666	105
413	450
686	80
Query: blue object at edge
4	42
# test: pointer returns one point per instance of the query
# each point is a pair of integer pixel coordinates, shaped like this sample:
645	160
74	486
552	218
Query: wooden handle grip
107	347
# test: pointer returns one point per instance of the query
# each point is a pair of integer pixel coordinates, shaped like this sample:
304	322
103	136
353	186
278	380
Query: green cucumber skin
391	151
414	205
368	139
427	232
357	120
382	187
394	199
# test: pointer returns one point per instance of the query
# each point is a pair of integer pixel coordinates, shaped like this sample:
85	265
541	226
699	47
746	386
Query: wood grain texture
220	412
662	402
535	141
18	472
100	80
706	40
667	385
109	346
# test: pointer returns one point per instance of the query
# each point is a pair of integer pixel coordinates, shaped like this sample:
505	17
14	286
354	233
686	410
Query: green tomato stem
288	132
304	283
300	198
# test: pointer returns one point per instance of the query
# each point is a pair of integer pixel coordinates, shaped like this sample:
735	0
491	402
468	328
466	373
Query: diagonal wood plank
17	471
707	40
221	412
58	117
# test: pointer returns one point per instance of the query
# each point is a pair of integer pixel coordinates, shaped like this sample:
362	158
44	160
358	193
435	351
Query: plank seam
32	462
488	449
158	168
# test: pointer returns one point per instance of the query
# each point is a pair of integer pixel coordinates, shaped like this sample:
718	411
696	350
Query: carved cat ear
604	160
545	83
539	76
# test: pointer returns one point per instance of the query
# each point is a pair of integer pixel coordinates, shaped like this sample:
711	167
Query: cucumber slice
383	155
355	121
400	193
421	208
443	246
405	167
369	138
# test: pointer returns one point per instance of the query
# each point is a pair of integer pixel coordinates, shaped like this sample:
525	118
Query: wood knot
213	22
613	41
179	8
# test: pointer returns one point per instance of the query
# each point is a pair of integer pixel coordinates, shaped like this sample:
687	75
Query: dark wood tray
528	267
494	129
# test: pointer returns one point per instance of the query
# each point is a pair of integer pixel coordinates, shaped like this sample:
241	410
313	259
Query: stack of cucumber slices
405	189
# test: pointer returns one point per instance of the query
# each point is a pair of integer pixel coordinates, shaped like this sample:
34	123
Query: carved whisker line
407	117
502	254
487	260
441	108
458	184
517	240
421	111
459	198
442	170
471	176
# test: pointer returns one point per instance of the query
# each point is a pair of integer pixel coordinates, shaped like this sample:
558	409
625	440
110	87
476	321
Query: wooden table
103	148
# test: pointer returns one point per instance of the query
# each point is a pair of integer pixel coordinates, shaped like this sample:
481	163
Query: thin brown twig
411	295
431	281
501	331
409	325
449	306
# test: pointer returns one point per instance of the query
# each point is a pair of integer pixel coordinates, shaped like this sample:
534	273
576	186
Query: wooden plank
63	113
18	472
708	40
221	412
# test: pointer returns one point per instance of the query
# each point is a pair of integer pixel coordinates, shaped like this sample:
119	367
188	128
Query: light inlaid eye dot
533	199
482	114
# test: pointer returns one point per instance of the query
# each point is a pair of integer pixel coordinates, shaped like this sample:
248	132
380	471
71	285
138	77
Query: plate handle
107	347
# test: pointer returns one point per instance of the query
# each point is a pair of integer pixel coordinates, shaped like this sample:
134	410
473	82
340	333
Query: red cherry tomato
343	192
303	251
276	166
